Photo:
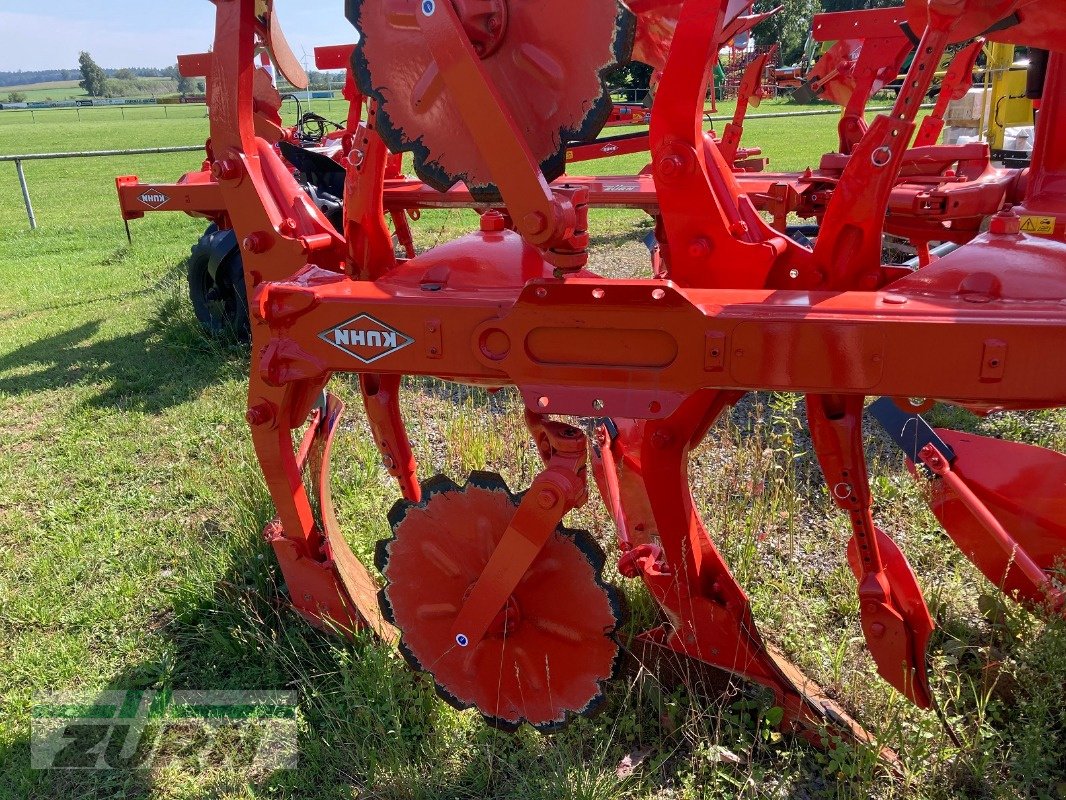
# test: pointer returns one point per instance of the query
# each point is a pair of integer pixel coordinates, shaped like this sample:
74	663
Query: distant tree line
98	82
792	25
24	77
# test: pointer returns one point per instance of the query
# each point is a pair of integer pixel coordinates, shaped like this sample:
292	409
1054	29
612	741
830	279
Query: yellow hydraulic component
1005	105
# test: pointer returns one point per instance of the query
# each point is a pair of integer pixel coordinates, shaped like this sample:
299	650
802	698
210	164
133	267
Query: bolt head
259	415
547	499
1005	223
534	223
493	222
671	166
257	242
699	248
226	170
662	439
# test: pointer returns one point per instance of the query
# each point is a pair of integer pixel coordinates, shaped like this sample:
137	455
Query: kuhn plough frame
485	589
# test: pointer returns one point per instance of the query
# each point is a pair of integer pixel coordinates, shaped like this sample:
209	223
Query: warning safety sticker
1044	226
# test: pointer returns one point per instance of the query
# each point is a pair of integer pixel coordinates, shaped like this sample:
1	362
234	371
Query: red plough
476	576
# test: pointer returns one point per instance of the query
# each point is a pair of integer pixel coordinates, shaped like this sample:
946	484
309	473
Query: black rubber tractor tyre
218	294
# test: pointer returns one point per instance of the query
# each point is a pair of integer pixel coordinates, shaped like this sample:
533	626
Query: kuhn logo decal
366	339
609	148
154	199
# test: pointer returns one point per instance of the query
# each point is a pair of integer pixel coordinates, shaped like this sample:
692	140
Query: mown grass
130	554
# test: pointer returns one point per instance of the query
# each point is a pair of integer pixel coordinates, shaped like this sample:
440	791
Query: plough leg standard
485	589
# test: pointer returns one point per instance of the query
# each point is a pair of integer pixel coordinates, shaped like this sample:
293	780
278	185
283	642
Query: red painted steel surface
1014	495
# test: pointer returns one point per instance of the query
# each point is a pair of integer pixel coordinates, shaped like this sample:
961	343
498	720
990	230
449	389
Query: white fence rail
19	159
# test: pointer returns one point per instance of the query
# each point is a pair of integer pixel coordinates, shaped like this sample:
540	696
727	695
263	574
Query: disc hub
485	23
506	622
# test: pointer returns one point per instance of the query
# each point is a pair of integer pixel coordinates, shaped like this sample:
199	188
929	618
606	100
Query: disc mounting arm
561	487
543	218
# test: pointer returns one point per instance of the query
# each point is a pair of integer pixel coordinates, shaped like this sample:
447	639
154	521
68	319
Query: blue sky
49	34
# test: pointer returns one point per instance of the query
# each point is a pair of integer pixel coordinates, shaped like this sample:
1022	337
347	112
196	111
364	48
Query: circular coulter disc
548	653
546	58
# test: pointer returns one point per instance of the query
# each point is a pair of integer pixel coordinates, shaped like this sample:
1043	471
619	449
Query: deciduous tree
94	79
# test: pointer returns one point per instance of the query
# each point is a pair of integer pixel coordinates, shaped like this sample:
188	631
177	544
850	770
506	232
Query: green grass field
52	90
130	552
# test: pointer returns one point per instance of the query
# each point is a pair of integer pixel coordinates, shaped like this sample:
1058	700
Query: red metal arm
956	84
560	488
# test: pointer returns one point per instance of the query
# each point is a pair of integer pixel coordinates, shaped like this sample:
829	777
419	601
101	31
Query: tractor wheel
218	296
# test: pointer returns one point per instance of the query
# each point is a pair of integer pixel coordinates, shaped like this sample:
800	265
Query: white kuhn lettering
386	339
154	199
366	338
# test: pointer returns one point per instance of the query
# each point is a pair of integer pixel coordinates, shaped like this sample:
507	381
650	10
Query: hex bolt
493	222
227	170
260	414
257	242
534	223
